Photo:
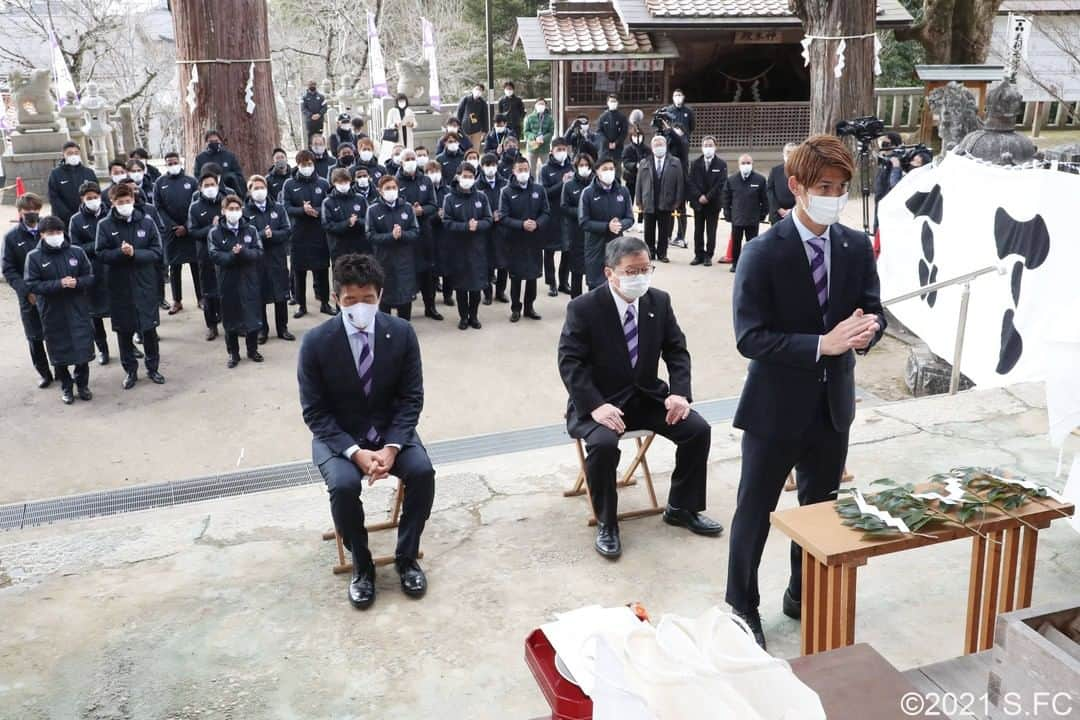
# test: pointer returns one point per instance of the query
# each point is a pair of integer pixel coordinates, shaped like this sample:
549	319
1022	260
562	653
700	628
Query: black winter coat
780	196
232	173
172	199
64	182
340	136
18	242
468	248
396	255
133	281
472	113
514	109
598	205
274	264
633	153
450	163
313	103
492	191
494	139
612	127
340	236
708	182
239	276
524	249
82	232
65	312
201	214
417	189
573	235
274	182
745	200
308	248
439	232
551	177
374	169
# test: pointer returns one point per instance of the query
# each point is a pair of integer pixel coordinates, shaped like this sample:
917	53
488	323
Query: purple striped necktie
820	273
365	365
630	330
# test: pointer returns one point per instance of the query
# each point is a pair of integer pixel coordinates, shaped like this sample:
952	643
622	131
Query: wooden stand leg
579	484
821	624
832	636
975	584
990	591
1027	568
809	601
847	606
1009	565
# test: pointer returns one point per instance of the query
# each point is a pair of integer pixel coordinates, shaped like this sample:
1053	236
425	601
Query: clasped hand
854	333
375	464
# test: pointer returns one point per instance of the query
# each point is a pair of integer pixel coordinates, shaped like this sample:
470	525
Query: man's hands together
375	464
855	333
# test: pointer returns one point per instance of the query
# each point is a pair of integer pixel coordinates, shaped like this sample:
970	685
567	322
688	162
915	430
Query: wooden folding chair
346	566
644	440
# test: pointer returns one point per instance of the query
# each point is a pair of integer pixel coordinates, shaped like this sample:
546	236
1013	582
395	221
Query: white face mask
360	315
210	193
318	149
708	152
390	196
508	92
489	171
125	210
466	183
259	195
402	104
137	177
584	171
634	287
435	177
541	108
825	210
560	156
421	160
452	147
473	162
660	151
72	159
93	205
746	168
522	177
677	99
397	159
53	241
476	94
363	183
409	166
606	176
232	216
342	187
366	155
173	169
117	179
345	127
612	105
306	170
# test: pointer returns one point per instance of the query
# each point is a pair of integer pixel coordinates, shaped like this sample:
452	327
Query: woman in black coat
271	222
524	213
59	275
467	217
302	197
573	236
633	153
203	213
557	170
393	230
236	251
491	184
82	230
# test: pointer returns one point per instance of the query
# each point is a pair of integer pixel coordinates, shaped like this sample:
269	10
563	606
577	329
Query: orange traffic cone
877	243
20	187
730	247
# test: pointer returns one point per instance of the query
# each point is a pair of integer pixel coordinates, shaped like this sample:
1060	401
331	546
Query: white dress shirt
806	235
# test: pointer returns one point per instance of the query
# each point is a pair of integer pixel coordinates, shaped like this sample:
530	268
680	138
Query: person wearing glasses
609	354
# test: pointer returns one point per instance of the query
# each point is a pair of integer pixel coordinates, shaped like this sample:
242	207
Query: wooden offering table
1002	566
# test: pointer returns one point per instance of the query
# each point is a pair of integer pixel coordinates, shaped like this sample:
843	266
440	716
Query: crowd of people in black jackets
470	223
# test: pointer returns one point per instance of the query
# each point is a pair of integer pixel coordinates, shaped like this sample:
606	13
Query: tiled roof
591	33
718	8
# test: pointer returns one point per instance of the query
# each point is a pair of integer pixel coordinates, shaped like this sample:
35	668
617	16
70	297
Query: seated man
361	390
609	354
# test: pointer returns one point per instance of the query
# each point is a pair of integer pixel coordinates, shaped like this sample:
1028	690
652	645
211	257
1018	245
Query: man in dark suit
746	205
609	353
781	201
806	299
705	187
362	390
658	192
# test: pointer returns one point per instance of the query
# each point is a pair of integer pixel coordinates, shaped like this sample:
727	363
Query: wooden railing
901	109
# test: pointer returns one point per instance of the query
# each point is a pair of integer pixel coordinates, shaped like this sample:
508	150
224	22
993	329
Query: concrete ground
228	609
209	419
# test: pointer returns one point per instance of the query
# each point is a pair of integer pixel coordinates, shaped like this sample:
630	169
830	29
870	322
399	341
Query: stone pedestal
38	141
32	156
928	374
428	128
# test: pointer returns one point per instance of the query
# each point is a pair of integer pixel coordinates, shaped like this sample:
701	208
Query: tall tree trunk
226	30
851	95
954	32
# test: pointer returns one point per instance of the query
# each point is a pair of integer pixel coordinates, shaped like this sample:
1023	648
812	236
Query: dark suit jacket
670	191
332	398
778	321
779	195
595	363
710	184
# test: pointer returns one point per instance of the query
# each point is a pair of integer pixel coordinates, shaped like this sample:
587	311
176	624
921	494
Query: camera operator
582	140
882	184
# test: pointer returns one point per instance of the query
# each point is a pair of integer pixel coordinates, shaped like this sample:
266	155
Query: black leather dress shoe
501	297
301	312
487	300
607	541
362	587
413	580
233	361
792	605
531	314
553	291
255	356
707	262
67	395
156	377
695	522
129	380
697	261
434	314
45	381
663	259
463	324
753	619
139	355
286	335
515	316
263	337
565	290
211	333
85	395
475	324
103	357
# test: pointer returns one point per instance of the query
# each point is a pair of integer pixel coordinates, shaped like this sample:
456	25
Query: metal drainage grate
157	495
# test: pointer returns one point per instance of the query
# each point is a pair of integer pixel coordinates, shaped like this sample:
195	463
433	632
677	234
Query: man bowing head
609	356
361	391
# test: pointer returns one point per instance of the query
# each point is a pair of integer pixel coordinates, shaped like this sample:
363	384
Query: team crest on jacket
356	208
141	233
404	216
536	195
273	216
423	188
73	262
479	204
318	191
187	186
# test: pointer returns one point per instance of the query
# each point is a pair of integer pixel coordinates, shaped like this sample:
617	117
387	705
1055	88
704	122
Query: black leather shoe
432	313
103	357
607	541
139	355
300	312
501	297
515	316
449	300
156	377
233	361
413	580
792	605
325	309
45	381
553	291
255	356
211	333
463	324
697	261
707	262
731	269
292	301
263	337
286	335
663	259
565	290
531	314
487	300
67	395
695	522
129	380
362	587
475	324
85	395
753	619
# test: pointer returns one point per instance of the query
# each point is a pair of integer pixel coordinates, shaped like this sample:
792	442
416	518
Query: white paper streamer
806	42
867	509
1028	485
192	97
956	491
838	71
249	90
877	55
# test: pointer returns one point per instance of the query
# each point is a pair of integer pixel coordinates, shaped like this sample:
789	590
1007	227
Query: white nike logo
45	265
457	205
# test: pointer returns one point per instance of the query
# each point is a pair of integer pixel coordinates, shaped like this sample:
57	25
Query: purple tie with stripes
365	365
630	330
820	273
